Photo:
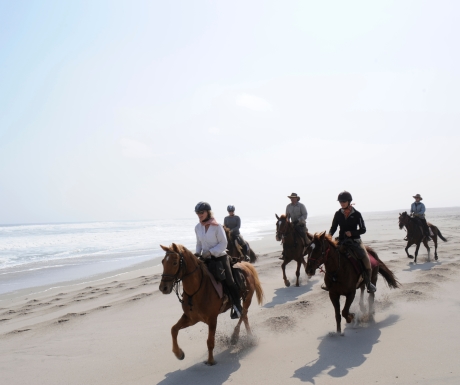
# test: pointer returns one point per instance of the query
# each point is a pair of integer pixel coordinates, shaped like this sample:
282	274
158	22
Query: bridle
281	235
179	276
322	258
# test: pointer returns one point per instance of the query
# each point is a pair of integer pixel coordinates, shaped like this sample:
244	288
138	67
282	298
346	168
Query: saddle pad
374	262
357	265
217	285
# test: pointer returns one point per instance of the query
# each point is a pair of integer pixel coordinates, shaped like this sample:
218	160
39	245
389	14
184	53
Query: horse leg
361	300
297	273
335	299
371	298
346	309
184	322
243	318
211	340
416	252
435	241
409	244
304	265
283	267
425	243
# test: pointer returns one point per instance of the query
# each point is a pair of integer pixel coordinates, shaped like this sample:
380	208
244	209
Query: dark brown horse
293	247
415	235
200	301
234	250
340	276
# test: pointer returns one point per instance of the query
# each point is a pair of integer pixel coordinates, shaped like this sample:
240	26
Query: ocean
47	254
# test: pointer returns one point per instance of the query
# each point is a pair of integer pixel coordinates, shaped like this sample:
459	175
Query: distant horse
235	250
293	247
200	301
415	235
341	277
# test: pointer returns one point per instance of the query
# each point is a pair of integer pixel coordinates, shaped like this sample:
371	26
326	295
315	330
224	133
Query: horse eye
175	263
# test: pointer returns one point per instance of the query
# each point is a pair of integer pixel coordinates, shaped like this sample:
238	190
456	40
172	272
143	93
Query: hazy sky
113	110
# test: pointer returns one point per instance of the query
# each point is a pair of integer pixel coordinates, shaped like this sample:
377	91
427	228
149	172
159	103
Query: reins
177	280
324	255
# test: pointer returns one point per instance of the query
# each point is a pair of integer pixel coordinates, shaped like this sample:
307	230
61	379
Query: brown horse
234	249
200	301
415	235
340	276
293	247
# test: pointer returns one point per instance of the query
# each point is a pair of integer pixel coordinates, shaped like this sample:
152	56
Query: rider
349	221
417	209
297	213
211	242
233	222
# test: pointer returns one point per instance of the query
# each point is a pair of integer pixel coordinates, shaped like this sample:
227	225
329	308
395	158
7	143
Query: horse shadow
424	266
291	293
228	362
338	355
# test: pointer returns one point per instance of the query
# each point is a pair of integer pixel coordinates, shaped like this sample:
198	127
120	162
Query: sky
117	110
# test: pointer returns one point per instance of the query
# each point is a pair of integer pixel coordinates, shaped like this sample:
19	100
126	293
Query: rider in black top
352	226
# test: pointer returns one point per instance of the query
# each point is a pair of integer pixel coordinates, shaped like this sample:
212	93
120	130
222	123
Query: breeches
228	270
360	251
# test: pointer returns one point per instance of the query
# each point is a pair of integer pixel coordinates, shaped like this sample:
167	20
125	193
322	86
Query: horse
200	300
234	250
341	277
293	247
415	235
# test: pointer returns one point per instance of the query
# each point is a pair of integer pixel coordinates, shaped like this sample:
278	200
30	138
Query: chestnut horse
293	247
415	235
232	249
341	277
200	301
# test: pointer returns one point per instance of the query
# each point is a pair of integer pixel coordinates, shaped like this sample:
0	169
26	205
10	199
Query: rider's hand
348	233
206	255
295	222
198	255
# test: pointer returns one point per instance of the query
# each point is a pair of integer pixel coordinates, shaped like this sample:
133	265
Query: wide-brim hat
294	195
417	196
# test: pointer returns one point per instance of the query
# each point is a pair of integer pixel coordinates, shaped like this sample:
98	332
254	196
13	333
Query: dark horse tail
384	271
440	235
252	256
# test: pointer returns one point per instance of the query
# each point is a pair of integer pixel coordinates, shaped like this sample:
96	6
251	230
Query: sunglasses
200	212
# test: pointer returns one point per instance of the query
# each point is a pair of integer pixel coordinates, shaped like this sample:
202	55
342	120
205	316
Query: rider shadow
287	294
340	354
228	362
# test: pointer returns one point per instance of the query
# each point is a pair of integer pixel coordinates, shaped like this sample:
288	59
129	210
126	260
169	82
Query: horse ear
175	248
277	217
165	248
322	235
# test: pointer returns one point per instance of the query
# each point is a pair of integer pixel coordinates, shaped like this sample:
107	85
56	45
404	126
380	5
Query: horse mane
283	217
182	249
332	242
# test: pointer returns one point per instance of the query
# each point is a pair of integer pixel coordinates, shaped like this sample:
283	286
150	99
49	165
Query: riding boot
237	309
367	274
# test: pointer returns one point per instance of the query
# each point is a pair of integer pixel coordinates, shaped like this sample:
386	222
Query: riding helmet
344	196
230	208
202	206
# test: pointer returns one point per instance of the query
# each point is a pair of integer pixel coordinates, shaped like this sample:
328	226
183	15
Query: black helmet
230	208
344	196
202	206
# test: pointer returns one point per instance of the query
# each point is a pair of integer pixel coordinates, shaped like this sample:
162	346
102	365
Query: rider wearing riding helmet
211	242
352	226
233	222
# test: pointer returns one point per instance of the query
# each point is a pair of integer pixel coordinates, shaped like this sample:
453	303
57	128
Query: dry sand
117	330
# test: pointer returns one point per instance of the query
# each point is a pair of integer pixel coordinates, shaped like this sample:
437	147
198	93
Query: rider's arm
288	216
335	224
303	217
412	208
221	246
198	242
236	229
421	209
362	227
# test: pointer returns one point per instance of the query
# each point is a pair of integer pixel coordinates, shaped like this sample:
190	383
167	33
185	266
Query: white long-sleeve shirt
214	240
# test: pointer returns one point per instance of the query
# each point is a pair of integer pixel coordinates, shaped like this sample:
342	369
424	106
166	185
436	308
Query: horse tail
390	278
440	235
258	286
252	256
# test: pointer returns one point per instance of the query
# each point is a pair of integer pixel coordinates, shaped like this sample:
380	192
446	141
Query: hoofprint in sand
117	331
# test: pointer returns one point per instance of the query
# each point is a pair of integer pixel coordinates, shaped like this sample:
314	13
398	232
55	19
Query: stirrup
324	287
235	313
371	288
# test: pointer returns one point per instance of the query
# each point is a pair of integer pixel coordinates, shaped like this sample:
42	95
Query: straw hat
294	195
418	196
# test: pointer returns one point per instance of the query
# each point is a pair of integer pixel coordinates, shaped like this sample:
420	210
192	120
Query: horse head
173	267
404	219
318	251
282	227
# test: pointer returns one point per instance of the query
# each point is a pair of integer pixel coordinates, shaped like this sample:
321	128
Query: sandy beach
116	330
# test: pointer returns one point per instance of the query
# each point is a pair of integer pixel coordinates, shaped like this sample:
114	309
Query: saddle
354	259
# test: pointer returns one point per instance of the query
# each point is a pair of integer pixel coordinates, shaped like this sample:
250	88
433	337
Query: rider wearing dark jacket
352	226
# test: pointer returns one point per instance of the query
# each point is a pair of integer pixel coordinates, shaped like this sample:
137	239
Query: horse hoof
181	356
287	283
410	256
297	285
209	363
435	257
234	340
